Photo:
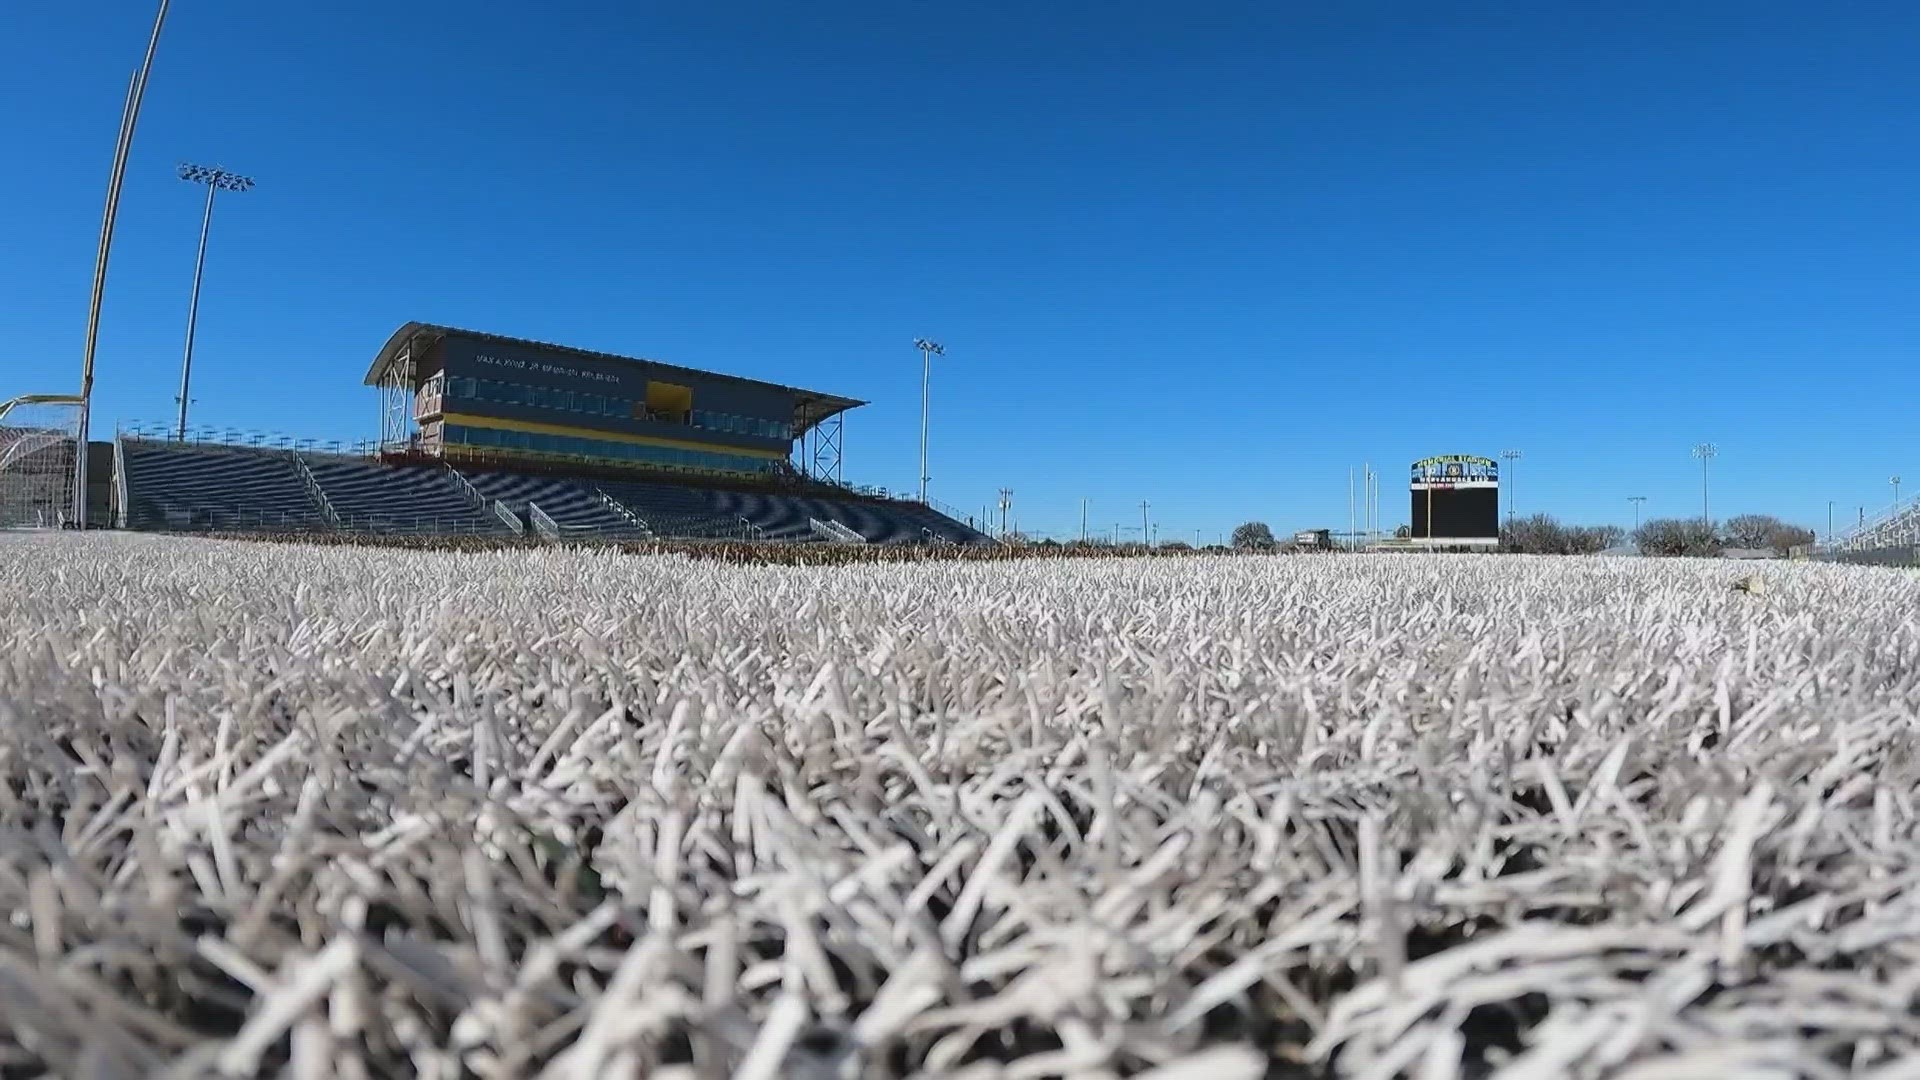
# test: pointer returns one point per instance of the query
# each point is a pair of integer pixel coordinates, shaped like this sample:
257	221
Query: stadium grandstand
483	434
1891	537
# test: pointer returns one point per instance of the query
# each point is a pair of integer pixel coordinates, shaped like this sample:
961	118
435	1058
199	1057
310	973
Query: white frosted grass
361	812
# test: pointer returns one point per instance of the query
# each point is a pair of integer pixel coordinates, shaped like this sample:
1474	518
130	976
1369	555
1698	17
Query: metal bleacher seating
187	486
373	497
171	485
572	505
673	510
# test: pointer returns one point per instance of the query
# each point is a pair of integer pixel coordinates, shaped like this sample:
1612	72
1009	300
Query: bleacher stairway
372	497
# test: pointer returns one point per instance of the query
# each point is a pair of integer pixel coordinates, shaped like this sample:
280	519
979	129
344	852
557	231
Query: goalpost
39	444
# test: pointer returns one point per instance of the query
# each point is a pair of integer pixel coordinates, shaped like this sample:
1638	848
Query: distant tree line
1541	534
1694	537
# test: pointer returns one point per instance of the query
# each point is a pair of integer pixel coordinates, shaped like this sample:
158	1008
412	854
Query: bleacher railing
201	517
640	525
695	527
315	492
417	523
246	438
509	518
545	524
1895	526
834	532
473	496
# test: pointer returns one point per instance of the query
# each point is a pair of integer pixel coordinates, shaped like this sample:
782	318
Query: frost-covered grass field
358	812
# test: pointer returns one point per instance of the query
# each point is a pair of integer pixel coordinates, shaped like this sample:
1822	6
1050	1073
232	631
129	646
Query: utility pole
123	145
1636	500
1006	503
1146	530
1350	522
1829	522
1896	492
1513	485
1083	519
1706	452
928	350
217	180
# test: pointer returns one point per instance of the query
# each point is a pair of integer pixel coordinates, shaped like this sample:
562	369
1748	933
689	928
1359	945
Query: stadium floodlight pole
217	180
1706	452
1373	506
1350	521
129	120
928	350
1636	500
1366	500
1510	456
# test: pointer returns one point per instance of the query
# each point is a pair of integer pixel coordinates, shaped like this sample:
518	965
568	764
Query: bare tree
1678	536
1749	530
1253	536
1787	537
1541	534
1764	531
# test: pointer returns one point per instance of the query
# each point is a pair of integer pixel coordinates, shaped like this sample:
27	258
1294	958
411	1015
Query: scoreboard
1456	501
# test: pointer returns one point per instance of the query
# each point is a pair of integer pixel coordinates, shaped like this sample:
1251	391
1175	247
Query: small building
1313	540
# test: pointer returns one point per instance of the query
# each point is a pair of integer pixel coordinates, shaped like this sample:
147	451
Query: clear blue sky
1205	255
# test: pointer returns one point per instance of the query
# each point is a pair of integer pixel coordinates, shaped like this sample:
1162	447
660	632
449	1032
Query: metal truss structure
39	449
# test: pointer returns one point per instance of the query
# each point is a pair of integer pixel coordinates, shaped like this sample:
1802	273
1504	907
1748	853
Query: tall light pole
1006	503
928	350
1510	456
1829	522
1373	504
1895	480
1352	525
1366	501
217	180
1146	531
1636	500
1706	452
1083	519
129	119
